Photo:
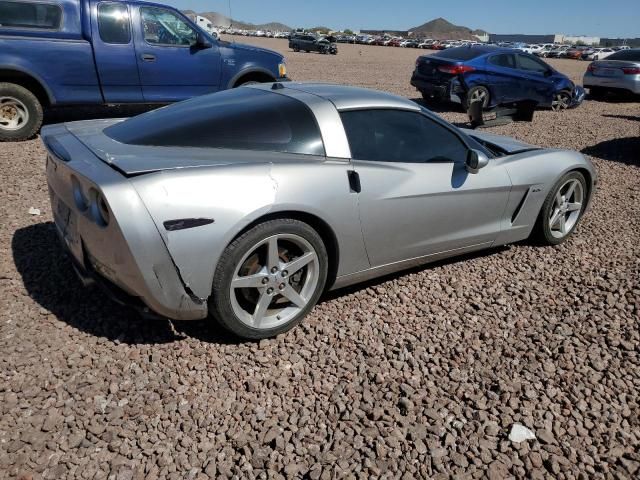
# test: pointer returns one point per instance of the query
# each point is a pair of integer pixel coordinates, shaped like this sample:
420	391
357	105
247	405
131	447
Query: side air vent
519	207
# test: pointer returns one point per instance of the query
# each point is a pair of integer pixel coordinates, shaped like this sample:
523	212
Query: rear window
46	16
242	118
629	55
459	53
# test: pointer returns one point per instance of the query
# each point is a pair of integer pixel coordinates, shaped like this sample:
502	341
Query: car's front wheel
562	209
269	278
561	101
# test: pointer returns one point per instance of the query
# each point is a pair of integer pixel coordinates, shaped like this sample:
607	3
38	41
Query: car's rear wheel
561	101
269	278
20	113
562	209
477	94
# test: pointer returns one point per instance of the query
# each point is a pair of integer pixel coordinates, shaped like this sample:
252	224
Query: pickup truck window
163	27
46	16
113	23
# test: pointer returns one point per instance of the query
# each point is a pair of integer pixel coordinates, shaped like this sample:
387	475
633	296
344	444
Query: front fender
247	71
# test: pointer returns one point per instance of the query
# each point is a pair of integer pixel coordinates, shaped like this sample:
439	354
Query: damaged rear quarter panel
231	196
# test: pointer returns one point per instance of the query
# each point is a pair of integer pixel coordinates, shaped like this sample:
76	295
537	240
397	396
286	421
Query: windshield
629	55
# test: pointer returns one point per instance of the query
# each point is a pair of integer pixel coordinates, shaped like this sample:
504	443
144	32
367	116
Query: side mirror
202	41
476	160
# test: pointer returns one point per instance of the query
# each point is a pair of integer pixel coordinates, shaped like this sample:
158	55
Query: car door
416	197
172	66
535	79
501	68
114	52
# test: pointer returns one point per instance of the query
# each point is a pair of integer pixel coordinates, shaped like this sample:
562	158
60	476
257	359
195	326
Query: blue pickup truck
65	52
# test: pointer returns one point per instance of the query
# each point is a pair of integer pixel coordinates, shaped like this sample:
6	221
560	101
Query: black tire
474	91
220	304
542	230
561	101
296	49
23	103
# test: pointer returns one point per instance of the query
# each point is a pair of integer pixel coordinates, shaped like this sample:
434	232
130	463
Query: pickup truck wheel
296	49
20	113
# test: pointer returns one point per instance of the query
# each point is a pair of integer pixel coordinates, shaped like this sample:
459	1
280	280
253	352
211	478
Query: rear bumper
127	252
451	91
629	83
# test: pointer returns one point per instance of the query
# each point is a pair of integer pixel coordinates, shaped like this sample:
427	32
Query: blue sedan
494	76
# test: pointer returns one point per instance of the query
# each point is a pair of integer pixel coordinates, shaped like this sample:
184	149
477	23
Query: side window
113	23
400	136
503	60
163	27
45	16
531	64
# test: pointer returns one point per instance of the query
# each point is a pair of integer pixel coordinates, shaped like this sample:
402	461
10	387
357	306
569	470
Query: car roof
346	97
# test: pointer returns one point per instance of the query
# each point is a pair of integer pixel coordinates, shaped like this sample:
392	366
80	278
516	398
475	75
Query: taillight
591	68
455	69
631	70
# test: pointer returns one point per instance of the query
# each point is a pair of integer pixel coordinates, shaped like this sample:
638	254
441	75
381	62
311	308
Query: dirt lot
418	375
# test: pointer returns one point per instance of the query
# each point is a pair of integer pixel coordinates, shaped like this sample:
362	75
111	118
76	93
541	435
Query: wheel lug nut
281	286
269	291
285	273
265	281
274	269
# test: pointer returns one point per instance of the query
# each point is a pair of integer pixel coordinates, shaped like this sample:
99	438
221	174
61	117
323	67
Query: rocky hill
440	28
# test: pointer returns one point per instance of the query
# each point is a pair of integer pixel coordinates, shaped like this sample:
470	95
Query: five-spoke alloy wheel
269	278
561	101
562	209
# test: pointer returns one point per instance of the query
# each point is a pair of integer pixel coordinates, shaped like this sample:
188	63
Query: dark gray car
310	43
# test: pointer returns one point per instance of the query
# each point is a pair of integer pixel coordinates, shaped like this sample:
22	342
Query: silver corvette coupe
246	205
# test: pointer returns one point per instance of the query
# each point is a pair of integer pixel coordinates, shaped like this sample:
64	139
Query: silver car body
612	74
405	214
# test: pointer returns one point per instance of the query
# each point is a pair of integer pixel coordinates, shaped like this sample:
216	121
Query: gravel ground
421	374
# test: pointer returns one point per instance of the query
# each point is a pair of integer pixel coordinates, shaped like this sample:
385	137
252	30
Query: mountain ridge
219	20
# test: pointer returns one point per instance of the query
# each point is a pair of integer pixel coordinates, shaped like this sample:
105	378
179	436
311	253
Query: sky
616	18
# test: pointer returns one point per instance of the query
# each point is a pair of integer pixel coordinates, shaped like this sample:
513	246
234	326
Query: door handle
147	57
354	181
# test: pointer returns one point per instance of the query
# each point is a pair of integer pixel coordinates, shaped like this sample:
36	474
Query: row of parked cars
576	52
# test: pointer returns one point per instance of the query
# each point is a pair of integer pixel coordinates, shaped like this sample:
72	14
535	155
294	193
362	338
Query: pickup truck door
172	67
114	52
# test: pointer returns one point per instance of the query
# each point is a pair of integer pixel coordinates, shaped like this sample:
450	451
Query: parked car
311	43
164	238
558	52
66	52
603	53
620	72
409	44
575	53
494	76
